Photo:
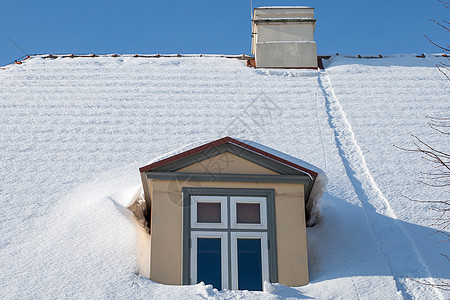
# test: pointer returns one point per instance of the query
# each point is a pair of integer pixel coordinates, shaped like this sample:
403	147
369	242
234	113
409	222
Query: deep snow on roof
76	130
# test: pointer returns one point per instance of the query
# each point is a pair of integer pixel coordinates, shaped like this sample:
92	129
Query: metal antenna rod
17	46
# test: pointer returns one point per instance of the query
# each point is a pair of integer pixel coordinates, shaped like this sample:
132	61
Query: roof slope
76	130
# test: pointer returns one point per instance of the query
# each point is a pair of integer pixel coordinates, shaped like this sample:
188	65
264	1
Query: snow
320	182
76	130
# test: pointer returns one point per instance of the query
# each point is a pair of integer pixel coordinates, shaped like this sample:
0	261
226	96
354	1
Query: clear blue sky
220	27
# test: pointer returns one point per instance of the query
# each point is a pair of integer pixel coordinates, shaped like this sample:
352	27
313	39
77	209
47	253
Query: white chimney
283	37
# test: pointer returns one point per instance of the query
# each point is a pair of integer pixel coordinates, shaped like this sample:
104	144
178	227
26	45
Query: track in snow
389	236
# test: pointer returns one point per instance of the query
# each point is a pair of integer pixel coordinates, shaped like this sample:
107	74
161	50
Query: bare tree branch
443	26
443	48
443	72
442	285
445	4
439	177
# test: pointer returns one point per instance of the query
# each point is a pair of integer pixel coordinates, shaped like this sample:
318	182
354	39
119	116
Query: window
229	237
248	212
208	211
247	262
208	256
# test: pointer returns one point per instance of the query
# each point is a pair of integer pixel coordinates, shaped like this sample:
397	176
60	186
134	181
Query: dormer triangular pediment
227	163
228	153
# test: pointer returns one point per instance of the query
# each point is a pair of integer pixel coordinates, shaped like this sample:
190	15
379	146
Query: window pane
248	213
249	264
209	268
208	212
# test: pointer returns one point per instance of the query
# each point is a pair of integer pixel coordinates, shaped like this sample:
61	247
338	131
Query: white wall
285	32
286	55
284	37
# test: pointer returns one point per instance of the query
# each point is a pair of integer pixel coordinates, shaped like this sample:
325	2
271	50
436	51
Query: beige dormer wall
227	163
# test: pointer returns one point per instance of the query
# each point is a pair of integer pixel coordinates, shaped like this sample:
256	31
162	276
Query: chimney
283	37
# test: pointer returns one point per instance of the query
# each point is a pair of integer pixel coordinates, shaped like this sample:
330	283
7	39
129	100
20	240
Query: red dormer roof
222	141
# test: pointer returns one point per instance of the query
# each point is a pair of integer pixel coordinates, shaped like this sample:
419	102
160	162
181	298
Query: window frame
248	199
209	199
234	255
270	230
224	251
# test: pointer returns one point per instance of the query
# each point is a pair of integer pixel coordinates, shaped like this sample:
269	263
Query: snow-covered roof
74	132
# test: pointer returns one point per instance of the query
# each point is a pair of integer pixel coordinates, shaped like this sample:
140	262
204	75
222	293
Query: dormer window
229	240
228	214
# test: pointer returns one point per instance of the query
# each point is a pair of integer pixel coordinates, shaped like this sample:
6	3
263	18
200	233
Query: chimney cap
284	7
283	11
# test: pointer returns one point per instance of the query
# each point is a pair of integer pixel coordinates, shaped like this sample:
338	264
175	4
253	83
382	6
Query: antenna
17	46
251	9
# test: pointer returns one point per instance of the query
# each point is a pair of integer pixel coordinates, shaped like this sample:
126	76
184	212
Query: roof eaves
178	156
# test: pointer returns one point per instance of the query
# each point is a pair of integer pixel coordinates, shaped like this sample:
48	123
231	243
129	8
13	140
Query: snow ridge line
375	205
318	104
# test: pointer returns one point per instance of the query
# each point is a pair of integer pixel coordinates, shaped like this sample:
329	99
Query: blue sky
220	27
